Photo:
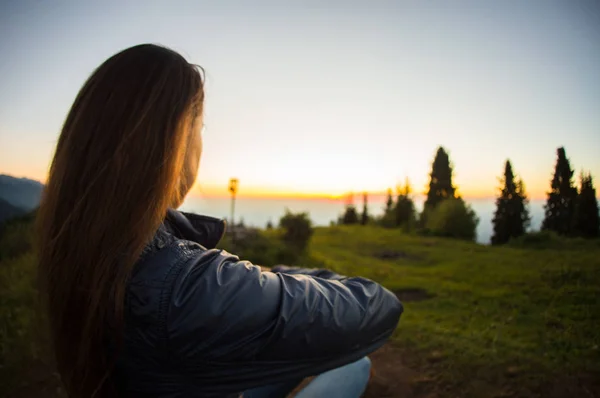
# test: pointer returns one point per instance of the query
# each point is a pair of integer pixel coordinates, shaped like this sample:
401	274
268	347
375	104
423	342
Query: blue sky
309	98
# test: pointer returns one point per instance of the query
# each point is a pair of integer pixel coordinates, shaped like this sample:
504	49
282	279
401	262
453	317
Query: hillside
480	321
20	192
517	321
8	211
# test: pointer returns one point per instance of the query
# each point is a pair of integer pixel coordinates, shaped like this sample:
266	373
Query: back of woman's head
123	157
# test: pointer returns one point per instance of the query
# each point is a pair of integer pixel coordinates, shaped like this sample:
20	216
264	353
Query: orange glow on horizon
254	192
535	191
218	191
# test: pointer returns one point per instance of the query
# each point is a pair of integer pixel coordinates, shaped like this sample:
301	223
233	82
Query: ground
516	321
391	377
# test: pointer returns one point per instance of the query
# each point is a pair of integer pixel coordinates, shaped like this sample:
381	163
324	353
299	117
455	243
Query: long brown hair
122	159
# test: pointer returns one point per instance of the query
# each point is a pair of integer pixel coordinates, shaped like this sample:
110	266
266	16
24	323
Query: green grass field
479	321
483	318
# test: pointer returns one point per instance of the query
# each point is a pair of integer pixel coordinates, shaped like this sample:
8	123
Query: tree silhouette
511	218
440	183
365	215
405	208
389	203
350	215
388	218
297	229
560	206
587	222
453	218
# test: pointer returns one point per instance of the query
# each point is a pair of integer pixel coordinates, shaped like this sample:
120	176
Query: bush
387	220
24	342
350	216
540	239
297	230
405	213
287	245
16	237
254	246
17	311
547	239
453	218
265	248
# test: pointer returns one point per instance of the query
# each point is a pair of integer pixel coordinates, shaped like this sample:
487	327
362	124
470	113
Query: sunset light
308	199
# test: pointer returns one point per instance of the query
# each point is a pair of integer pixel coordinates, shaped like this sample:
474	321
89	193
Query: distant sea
258	211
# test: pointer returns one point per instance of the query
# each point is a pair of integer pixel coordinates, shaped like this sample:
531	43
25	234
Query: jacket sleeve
320	273
239	328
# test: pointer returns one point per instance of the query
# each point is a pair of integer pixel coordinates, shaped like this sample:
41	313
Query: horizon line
335	198
214	191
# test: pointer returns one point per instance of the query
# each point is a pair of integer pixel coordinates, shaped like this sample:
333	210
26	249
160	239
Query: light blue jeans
349	381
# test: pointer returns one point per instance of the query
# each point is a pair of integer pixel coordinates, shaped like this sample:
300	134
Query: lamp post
233	187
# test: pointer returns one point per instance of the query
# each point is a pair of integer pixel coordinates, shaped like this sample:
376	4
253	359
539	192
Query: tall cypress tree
405	208
587	221
511	218
365	215
389	203
387	218
440	183
560	206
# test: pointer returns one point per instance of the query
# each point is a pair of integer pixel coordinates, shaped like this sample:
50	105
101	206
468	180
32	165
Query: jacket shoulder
152	278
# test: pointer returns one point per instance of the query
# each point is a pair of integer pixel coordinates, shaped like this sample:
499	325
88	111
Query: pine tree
387	219
511	218
365	215
440	184
587	221
350	215
389	203
405	208
560	206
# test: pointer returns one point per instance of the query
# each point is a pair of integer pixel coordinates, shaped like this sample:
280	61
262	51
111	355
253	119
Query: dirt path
393	379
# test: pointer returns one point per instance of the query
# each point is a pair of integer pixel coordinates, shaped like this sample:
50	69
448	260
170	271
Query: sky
323	98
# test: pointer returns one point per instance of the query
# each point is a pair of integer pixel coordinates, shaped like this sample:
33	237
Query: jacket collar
207	231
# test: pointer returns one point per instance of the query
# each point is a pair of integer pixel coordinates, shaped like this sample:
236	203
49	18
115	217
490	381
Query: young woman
139	301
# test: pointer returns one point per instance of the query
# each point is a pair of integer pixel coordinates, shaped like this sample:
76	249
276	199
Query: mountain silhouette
21	193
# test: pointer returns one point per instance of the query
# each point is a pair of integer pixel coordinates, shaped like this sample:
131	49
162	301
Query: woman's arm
241	328
317	272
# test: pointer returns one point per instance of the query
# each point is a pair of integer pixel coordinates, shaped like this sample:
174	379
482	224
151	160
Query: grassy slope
503	317
26	368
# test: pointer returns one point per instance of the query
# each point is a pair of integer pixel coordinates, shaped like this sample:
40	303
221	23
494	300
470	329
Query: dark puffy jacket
201	323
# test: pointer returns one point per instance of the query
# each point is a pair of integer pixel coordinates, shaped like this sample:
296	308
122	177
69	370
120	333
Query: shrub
405	213
453	218
350	216
387	220
254	246
547	239
17	310
286	245
539	239
297	230
24	342
16	237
